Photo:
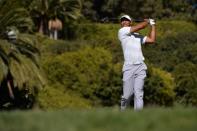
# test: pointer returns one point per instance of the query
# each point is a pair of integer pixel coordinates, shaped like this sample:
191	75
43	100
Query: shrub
102	32
173	50
57	98
188	54
87	71
95	71
186	83
159	87
55	47
90	72
98	32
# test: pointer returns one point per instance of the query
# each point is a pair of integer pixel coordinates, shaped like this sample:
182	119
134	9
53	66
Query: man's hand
151	22
152	35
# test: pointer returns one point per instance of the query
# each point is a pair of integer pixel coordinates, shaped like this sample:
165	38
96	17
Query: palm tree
39	12
19	57
51	10
12	14
20	66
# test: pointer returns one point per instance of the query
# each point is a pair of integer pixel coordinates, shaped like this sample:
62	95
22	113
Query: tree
45	10
18	16
20	68
110	7
88	9
151	9
20	73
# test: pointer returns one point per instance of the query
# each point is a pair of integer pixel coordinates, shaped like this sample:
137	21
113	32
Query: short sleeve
141	37
123	33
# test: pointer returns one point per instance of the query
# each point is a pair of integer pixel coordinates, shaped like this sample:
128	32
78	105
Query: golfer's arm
139	26
152	36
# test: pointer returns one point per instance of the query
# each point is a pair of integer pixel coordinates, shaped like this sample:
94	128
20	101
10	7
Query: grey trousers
133	82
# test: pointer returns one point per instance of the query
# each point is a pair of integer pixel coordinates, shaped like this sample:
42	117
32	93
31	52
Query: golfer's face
125	23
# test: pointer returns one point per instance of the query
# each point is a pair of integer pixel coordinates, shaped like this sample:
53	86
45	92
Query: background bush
56	98
91	65
159	87
91	72
87	71
186	83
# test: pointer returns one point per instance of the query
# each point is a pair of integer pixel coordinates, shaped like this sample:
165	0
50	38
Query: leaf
3	70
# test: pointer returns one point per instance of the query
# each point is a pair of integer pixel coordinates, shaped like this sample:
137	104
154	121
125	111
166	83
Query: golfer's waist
133	62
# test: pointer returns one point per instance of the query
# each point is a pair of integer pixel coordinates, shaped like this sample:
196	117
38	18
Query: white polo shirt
131	45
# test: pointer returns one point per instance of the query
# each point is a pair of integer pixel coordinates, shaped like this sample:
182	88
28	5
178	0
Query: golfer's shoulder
124	28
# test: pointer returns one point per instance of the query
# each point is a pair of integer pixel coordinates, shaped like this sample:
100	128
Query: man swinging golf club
134	68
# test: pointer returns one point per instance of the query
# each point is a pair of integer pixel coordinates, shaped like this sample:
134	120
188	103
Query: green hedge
159	87
91	65
57	98
86	71
173	50
91	72
186	83
103	32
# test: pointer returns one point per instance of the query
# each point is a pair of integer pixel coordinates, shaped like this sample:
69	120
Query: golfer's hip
130	70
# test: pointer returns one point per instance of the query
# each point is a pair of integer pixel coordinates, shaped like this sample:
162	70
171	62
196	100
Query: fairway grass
105	119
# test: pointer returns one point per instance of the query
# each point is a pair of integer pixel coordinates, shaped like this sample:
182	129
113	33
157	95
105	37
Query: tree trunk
41	27
11	94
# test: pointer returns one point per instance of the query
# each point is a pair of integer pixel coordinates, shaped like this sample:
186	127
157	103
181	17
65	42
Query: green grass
110	119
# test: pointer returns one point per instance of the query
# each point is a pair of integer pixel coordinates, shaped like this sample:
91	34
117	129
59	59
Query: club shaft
108	20
138	20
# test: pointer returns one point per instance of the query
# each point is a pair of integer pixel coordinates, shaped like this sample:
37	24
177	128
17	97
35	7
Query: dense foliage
91	65
20	72
87	72
160	9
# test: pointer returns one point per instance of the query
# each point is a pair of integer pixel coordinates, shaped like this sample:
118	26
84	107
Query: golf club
116	20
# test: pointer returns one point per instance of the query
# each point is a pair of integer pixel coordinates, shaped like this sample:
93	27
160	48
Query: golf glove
151	22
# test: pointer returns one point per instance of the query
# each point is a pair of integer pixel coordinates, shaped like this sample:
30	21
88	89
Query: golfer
134	68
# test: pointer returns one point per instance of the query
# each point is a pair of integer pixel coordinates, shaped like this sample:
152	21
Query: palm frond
3	70
18	73
40	6
6	5
71	8
18	17
27	46
25	72
5	49
5	46
22	61
19	56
